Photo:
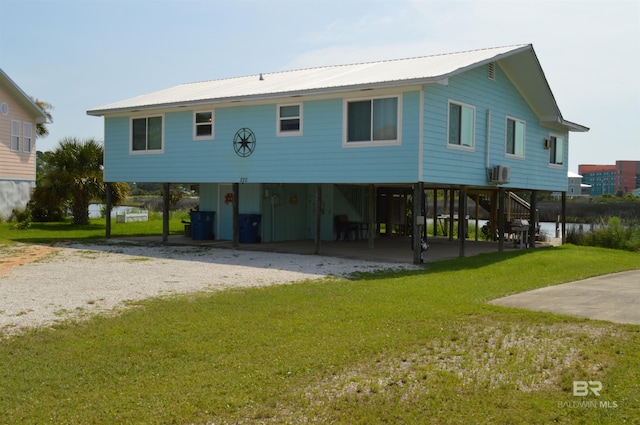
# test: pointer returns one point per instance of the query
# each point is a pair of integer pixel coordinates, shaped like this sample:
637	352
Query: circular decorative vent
244	142
4	108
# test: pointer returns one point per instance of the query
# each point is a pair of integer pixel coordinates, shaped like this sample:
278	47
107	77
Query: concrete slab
613	297
395	249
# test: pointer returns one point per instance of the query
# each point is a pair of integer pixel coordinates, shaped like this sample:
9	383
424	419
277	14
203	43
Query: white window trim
146	151
195	126
26	125
564	147
19	127
369	143
281	133
506	127
461	147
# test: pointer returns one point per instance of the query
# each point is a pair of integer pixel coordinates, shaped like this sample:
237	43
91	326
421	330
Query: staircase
357	197
516	207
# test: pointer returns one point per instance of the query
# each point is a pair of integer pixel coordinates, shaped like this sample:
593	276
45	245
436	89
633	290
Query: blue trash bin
202	224
249	228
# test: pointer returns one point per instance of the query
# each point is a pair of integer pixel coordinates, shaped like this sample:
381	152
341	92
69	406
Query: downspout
421	137
488	141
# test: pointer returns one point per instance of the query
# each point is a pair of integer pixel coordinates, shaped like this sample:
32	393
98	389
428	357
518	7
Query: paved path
613	297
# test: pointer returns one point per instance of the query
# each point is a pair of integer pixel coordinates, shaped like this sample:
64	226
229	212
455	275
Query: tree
41	128
73	177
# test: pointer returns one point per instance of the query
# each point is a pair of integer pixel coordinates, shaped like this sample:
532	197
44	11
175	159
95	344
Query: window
462	122
515	137
203	125
15	135
373	120
289	120
27	136
146	134
556	152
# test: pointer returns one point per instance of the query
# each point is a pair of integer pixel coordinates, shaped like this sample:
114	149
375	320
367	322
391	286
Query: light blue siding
445	165
318	155
314	157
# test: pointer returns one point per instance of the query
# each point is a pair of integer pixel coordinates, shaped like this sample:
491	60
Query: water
95	210
547	228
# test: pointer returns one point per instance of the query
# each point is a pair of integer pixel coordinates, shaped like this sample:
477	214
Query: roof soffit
526	74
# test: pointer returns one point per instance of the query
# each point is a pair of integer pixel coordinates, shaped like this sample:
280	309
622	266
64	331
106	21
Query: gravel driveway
76	280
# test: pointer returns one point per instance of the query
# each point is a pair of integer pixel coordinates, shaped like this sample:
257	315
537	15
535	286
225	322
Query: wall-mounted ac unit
500	174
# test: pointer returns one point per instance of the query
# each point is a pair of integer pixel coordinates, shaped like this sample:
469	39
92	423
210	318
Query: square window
515	137
203	125
289	120
461	125
146	134
373	120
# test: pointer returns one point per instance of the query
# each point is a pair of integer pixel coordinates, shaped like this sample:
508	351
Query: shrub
613	235
22	216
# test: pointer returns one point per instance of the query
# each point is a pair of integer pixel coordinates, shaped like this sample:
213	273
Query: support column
564	217
476	214
435	212
236	221
108	212
371	231
165	211
494	215
533	203
445	206
318	219
501	202
418	190
452	204
462	220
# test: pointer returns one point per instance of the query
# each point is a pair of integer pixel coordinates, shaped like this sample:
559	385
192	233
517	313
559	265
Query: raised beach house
309	150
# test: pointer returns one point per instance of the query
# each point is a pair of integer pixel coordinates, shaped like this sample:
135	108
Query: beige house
19	115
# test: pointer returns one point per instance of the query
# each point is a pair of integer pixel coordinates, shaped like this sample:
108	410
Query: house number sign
244	142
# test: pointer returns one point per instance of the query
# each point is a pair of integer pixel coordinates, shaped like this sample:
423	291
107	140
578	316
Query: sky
82	54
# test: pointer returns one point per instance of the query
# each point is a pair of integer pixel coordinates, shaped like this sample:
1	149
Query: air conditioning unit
500	174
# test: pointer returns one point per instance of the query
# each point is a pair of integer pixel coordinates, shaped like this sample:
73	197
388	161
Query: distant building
623	177
575	186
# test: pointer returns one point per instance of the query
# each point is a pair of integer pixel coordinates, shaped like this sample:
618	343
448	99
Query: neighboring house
576	187
19	115
360	136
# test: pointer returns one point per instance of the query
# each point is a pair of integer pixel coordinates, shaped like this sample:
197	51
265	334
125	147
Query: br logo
582	388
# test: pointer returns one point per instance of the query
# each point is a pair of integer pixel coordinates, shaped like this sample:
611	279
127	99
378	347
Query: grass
418	347
55	232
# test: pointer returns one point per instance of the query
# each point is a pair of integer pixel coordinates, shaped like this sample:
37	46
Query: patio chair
345	228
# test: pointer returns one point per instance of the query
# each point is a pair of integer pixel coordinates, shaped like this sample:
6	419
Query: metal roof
518	61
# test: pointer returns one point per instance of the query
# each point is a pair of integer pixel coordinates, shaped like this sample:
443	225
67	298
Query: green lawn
418	347
53	232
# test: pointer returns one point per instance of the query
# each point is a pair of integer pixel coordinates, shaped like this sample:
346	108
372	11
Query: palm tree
75	174
41	128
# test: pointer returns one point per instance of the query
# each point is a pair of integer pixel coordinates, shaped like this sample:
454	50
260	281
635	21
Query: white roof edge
267	96
571	126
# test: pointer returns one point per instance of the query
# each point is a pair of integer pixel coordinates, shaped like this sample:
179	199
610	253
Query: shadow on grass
456	264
